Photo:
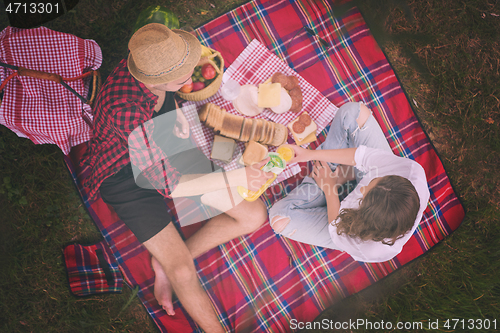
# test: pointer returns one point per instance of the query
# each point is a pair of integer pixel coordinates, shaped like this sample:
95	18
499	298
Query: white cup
230	90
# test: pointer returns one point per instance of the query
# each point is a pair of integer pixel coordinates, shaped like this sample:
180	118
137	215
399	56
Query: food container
275	165
216	60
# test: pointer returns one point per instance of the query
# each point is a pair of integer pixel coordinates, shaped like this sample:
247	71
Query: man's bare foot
163	289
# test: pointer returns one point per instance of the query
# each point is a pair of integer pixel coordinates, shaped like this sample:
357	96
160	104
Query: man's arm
251	177
199	184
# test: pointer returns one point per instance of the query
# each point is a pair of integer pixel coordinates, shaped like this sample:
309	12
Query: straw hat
159	55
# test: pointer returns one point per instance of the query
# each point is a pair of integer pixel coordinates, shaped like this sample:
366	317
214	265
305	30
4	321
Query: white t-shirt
379	163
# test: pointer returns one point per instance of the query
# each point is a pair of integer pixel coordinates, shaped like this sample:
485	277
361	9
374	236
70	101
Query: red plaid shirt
123	105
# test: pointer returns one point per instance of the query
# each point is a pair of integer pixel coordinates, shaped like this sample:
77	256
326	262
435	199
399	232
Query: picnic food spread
242	129
206	78
286	152
254	152
280	93
291	84
269	95
223	149
303	129
285	102
276	165
202	77
247	101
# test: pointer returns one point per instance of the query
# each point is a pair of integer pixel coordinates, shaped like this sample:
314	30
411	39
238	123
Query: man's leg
168	248
145	213
242	219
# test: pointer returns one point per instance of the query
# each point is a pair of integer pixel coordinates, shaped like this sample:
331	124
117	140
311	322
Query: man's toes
169	309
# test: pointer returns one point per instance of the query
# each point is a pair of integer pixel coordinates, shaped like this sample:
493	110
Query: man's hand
256	177
324	177
181	129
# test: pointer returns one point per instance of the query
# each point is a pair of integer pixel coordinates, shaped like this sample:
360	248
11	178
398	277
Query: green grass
446	54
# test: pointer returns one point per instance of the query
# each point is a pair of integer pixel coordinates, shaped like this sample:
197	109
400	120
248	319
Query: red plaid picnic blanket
260	282
41	110
92	269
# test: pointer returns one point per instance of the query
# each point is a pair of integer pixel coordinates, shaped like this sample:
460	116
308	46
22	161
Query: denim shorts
305	206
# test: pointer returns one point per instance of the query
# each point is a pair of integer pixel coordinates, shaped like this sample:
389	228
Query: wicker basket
213	87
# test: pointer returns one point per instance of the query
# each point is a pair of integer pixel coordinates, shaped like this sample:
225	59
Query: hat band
183	60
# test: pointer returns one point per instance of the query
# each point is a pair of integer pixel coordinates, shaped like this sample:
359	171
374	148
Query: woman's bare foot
163	289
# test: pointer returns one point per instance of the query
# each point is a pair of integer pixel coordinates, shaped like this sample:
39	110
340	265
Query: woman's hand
181	128
324	177
301	154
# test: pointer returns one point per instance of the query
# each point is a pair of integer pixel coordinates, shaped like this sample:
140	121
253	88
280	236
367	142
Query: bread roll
209	116
254	152
263	131
269	133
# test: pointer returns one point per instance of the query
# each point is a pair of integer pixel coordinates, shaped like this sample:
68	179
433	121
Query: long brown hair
387	211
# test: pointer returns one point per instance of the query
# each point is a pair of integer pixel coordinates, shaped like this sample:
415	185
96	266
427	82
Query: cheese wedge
308	139
269	95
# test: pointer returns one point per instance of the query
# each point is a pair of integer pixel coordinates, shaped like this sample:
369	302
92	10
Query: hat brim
192	60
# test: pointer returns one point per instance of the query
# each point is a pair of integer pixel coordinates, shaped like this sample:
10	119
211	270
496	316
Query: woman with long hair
379	216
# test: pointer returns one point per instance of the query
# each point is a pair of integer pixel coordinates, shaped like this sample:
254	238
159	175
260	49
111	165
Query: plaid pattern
124	104
58	113
260	282
92	269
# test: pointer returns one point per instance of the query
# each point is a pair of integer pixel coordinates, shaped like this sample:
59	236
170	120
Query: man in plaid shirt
140	88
